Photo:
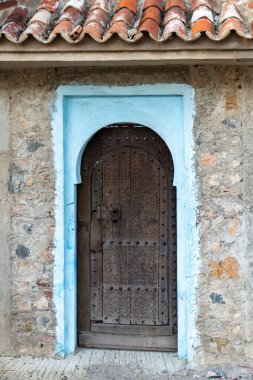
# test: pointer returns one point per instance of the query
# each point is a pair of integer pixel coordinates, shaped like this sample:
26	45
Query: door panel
131	241
116	231
130	230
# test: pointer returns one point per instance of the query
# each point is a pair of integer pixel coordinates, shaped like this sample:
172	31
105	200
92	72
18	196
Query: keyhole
115	213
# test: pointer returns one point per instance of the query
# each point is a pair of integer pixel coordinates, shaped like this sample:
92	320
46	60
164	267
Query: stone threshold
94	364
100	364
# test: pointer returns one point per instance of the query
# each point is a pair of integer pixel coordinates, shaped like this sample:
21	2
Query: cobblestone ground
110	365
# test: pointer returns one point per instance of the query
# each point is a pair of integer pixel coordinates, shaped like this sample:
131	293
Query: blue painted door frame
79	112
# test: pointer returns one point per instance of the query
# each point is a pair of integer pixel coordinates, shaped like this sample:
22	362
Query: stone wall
5	218
224	151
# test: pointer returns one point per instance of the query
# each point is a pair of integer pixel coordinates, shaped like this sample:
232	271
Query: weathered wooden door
127	242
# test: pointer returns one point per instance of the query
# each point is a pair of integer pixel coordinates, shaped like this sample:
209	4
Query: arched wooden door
127	242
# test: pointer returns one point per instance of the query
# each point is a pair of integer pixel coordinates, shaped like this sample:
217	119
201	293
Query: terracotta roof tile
197	3
64	28
162	20
175	19
120	28
43	16
36	29
15	24
50	5
124	15
7	4
100	4
229	11
152	13
229	25
129	4
76	4
202	12
176	27
175	13
153	3
97	15
94	29
202	25
175	3
151	27
70	14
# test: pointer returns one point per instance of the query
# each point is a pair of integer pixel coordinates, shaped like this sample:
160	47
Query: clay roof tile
129	4
175	3
128	19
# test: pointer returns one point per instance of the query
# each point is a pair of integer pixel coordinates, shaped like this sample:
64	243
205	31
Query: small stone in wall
28	228
16	183
236	163
231	123
48	256
22	252
44	321
27	326
235	178
208	160
32	146
236	329
215	375
231	101
210	215
216	247
213	180
42	283
212	375
221	343
41	304
229	267
28	181
217	298
22	122
233	227
48	293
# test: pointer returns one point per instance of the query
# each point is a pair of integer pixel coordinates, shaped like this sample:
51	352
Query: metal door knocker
115	213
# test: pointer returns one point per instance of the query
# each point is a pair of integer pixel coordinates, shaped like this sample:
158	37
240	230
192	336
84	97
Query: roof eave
232	51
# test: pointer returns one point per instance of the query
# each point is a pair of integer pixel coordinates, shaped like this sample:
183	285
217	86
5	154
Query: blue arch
79	112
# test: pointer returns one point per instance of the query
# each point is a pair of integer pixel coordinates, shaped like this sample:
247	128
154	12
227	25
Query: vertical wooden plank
96	286
150	307
116	234
163	248
116	193
145	174
116	294
166	161
83	248
116	305
115	265
96	265
173	258
144	196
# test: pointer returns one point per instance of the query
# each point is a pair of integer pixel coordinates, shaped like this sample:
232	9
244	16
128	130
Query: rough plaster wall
248	209
223	134
218	132
32	190
5	219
